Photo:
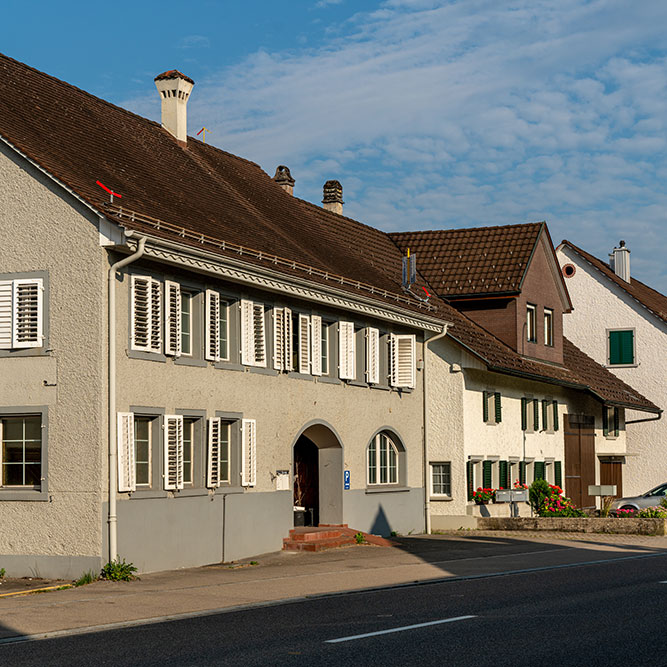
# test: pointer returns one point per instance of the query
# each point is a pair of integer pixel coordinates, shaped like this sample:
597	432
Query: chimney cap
622	243
283	175
173	74
332	193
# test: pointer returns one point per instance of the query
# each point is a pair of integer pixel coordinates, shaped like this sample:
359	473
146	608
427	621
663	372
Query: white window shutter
289	357
172	319
278	340
372	355
173	452
259	331
346	350
126	465
403	352
249	452
247	337
156	316
304	344
141	313
316	344
6	313
213	464
212	324
27	313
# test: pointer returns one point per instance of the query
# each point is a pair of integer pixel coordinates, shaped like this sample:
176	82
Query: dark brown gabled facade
506	279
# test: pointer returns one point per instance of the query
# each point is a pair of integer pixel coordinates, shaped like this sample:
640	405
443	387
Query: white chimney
174	88
620	262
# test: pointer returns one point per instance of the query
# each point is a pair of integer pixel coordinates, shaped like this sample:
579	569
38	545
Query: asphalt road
605	614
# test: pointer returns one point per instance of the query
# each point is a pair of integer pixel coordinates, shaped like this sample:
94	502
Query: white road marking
405	627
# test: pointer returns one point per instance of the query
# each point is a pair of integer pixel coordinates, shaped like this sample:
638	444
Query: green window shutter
621	347
485	406
469	479
545	413
498	406
536	415
524	414
555	409
538	468
558	474
487	468
616	421
605	420
503	473
522	472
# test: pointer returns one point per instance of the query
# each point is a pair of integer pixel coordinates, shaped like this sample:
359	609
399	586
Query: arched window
383	460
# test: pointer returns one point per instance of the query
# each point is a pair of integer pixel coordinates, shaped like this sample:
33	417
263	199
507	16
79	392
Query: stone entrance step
328	537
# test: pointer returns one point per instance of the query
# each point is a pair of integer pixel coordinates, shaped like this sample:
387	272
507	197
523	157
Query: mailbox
602	489
512	496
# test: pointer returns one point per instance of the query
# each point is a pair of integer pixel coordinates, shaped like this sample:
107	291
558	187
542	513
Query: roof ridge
468	229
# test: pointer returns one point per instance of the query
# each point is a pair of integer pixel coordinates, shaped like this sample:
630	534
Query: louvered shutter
605	420
372	355
316	344
538	470
213	462
487	474
503	475
141	313
156	316
27	313
212	325
247	333
278	340
6	310
524	414
172	320
485	406
173	452
545	414
554	405
470	482
498	407
522	472
289	357
304	344
616	421
536	415
249	452
346	350
259	335
558	474
403	360
125	457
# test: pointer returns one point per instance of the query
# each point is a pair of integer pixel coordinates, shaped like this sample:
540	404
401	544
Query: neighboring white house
622	324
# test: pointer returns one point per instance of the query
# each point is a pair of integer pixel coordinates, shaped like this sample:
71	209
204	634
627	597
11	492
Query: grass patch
86	578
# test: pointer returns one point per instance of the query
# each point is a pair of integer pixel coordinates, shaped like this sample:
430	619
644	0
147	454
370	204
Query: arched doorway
318	474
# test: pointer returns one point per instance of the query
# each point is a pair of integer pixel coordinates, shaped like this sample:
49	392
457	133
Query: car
651	498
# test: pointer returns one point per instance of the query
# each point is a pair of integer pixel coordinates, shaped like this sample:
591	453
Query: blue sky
432	114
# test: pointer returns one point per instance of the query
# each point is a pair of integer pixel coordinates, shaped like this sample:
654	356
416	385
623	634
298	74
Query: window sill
147	356
261	370
25	352
328	380
357	383
386	489
381	387
229	366
492	423
446	499
23	495
622	366
190	361
300	376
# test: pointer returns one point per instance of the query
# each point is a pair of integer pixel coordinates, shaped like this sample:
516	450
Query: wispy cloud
450	114
324	3
194	42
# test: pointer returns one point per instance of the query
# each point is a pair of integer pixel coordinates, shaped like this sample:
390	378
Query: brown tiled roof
80	139
647	296
466	262
173	74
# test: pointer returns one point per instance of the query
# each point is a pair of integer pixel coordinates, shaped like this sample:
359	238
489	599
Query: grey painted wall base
453	522
50	567
381	513
256	523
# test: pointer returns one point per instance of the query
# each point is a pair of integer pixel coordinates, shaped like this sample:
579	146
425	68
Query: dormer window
531	323
548	327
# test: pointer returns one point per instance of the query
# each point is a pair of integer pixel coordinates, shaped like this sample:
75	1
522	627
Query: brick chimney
619	261
174	88
333	197
284	179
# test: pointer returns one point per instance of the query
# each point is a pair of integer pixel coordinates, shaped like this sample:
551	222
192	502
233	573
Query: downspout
427	494
113	465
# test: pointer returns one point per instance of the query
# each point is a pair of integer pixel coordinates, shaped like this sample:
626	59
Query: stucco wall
600	305
45	229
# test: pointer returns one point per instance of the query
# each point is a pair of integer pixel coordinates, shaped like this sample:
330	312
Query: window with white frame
383	460
20	451
186	323
620	347
531	323
402	360
189	425
21	313
492	411
253	334
146	314
324	347
216	326
441	479
218	457
223	330
142	454
548	327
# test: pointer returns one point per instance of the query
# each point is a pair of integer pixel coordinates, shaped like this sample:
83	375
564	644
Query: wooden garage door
611	472
579	458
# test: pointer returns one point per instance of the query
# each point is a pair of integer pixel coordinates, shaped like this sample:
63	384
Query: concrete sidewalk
288	576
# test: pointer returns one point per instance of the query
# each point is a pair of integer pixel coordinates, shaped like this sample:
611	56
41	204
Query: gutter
427	486
647	419
113	462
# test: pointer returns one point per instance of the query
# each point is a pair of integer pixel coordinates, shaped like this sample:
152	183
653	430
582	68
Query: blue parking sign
346	480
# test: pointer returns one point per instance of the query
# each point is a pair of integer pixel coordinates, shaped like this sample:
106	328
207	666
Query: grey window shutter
497	401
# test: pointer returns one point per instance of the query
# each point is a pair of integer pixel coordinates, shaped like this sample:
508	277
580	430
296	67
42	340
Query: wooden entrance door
579	458
611	472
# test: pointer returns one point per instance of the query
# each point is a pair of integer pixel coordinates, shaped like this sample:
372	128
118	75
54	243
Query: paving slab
294	575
